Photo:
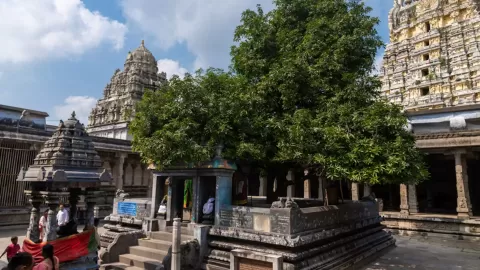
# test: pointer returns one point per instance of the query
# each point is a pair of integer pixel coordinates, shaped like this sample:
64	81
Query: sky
57	56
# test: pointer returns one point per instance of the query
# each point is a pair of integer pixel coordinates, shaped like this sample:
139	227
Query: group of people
24	261
19	260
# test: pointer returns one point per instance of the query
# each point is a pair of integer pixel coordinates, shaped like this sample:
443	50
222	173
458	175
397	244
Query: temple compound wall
431	68
21	139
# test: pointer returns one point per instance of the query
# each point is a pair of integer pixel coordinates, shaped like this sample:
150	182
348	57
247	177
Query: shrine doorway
439	193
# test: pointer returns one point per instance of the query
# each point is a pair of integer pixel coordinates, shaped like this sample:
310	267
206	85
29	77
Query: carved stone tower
433	58
115	109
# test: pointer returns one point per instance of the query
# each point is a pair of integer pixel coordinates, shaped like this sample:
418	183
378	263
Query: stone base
339	252
332	238
432	226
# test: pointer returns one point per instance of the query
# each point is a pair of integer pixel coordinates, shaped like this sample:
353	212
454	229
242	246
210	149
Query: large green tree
309	64
301	94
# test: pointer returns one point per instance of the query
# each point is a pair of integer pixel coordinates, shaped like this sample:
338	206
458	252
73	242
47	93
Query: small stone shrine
67	167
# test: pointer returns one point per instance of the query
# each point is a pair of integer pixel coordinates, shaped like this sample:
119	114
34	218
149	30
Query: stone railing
291	221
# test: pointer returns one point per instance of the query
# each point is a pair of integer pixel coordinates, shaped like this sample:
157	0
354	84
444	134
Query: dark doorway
439	193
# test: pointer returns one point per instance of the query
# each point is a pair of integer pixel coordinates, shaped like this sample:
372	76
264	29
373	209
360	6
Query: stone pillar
412	199
119	170
196	206
52	201
263	186
90	201
170	201
355	192
33	233
137	175
291	184
320	188
176	241
367	190
306	189
128	178
464	208
157	194
404	199
73	200
223	195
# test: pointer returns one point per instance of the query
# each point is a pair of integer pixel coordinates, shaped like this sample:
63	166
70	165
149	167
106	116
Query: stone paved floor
410	253
421	254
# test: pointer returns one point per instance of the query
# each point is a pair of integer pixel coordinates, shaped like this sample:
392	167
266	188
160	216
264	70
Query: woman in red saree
50	262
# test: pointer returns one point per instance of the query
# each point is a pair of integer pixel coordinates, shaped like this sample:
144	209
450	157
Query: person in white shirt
42	225
62	216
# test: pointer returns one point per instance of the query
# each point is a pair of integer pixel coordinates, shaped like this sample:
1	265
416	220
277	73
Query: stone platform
327	237
431	225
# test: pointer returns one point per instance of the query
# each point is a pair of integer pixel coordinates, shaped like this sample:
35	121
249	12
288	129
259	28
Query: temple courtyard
410	253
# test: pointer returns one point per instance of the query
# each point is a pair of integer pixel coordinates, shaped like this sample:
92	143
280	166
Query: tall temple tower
433	58
110	117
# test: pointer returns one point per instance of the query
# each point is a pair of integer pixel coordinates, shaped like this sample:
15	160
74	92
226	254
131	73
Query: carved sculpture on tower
125	89
430	61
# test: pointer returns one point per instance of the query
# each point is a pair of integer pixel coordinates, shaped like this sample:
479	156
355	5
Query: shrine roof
68	156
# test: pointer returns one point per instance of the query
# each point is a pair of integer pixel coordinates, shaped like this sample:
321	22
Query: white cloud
82	105
171	67
33	29
206	27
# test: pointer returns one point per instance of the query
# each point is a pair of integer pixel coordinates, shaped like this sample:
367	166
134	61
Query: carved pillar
464	208
33	232
355	192
52	200
412	199
119	170
404	199
306	189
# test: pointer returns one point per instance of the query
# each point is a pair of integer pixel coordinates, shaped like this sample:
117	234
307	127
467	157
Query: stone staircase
149	253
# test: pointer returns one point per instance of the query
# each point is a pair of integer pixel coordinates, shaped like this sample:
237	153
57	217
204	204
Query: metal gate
14	156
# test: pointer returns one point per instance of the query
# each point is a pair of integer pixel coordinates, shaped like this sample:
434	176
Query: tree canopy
300	93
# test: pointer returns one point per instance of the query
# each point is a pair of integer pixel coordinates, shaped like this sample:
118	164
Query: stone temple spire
114	110
68	156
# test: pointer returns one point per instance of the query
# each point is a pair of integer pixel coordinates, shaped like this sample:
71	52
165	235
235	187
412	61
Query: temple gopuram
115	109
67	166
431	67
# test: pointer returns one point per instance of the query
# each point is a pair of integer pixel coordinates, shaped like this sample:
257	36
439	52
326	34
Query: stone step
185	230
155	244
140	262
166	236
150	253
118	266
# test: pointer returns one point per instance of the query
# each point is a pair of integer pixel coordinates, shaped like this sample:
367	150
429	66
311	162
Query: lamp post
24	113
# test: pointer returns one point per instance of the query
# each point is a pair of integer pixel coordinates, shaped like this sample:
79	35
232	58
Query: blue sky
57	55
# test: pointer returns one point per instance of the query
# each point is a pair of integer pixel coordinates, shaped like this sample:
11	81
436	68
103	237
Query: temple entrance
439	193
